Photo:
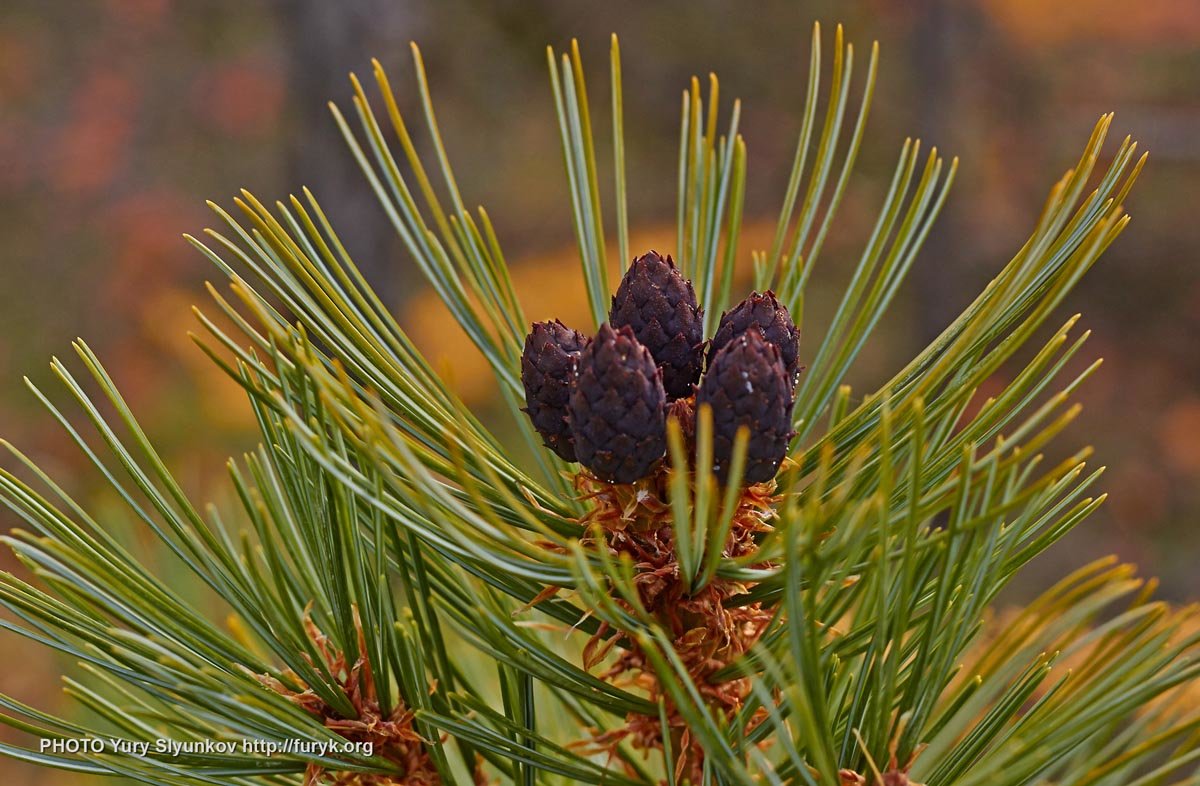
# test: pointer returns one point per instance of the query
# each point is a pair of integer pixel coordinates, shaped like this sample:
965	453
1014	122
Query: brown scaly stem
707	634
392	736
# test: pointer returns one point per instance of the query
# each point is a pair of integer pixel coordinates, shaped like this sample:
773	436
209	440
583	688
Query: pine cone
659	304
747	385
617	409
773	320
547	369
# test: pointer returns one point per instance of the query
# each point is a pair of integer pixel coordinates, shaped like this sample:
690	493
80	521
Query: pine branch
395	577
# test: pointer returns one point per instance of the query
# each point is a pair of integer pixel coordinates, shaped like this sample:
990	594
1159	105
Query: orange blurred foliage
241	99
1179	435
91	148
1042	23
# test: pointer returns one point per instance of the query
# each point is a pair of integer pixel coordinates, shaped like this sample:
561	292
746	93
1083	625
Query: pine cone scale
659	305
617	408
748	385
547	368
771	318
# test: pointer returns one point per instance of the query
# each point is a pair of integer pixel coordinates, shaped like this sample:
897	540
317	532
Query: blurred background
118	118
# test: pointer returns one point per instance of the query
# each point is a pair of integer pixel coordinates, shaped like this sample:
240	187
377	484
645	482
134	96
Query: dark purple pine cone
773	320
547	369
747	385
659	304
617	409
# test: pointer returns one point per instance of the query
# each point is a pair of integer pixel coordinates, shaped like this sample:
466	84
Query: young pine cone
747	385
617	409
659	305
547	368
773	320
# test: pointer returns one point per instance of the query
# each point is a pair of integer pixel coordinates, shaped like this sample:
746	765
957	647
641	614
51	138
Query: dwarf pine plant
720	565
